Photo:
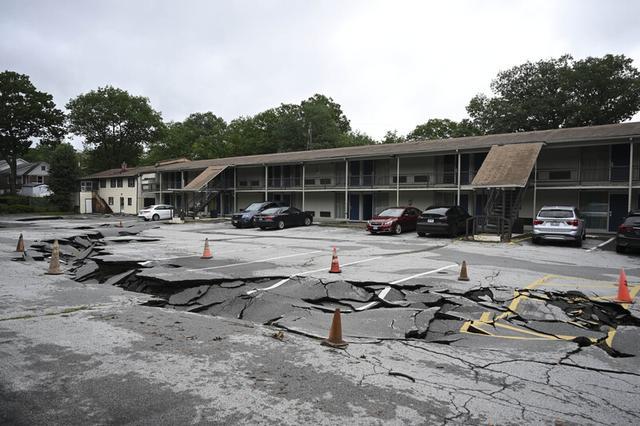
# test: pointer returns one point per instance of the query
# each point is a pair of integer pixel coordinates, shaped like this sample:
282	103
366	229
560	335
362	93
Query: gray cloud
391	65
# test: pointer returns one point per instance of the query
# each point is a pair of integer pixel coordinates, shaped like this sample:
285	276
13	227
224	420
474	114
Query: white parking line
279	283
423	273
602	244
255	261
386	290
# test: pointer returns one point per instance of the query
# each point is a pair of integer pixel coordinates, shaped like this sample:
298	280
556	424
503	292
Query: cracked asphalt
140	330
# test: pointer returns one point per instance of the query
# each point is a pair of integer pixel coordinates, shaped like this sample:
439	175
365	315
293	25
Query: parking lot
535	335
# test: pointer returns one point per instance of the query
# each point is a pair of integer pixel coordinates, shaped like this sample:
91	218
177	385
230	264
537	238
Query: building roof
611	132
25	168
507	166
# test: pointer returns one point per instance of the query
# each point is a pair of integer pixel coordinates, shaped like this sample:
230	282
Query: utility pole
309	139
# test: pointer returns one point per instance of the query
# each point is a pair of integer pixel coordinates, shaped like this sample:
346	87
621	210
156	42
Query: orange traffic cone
335	265
119	225
206	254
335	333
54	263
623	290
463	272
20	247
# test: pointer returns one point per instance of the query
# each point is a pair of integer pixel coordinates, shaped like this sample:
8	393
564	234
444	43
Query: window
243	183
560	174
119	182
112	184
293	210
103	183
325	181
110	201
40	179
325	214
419	179
129	201
403	179
43	168
86	186
131	182
309	181
255	183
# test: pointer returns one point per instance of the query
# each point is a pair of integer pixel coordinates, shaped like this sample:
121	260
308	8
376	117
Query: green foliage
115	125
559	93
200	136
64	173
437	128
17	204
393	137
25	114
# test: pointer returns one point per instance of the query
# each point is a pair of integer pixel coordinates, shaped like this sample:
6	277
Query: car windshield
440	211
556	213
253	207
274	210
147	207
391	212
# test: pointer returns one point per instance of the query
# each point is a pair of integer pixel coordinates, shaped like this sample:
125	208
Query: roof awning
204	178
507	166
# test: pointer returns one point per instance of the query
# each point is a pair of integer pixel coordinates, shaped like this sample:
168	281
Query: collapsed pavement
430	309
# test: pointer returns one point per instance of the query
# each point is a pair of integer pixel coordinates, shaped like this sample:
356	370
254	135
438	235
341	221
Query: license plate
555	224
429	220
234	221
375	228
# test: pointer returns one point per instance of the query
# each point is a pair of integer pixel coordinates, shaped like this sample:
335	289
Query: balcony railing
586	175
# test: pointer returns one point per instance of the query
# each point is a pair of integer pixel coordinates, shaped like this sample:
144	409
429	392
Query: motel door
367	206
354	206
88	205
618	204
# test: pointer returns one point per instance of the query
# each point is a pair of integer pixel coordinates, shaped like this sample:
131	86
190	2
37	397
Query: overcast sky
390	64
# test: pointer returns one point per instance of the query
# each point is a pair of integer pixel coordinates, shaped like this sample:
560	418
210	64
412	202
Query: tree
26	114
115	125
199	136
324	121
63	175
393	137
559	93
437	128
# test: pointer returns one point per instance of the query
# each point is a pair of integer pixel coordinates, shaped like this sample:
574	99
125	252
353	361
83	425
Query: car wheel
535	240
155	217
584	236
422	234
620	249
578	242
307	221
263	228
452	231
253	222
281	224
397	229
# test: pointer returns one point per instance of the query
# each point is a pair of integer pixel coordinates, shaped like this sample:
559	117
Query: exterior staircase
502	210
199	202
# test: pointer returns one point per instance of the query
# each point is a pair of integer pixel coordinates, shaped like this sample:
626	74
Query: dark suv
246	217
628	236
446	220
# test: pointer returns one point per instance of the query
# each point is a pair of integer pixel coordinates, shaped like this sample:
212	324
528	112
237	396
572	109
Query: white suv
559	223
156	212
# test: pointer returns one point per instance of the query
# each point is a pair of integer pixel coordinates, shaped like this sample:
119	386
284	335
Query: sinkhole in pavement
429	310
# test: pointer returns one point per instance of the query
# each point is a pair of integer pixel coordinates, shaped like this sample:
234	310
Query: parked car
246	217
445	220
394	220
628	236
282	217
156	212
559	223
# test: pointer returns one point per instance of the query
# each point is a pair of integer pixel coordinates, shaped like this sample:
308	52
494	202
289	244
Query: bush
11	204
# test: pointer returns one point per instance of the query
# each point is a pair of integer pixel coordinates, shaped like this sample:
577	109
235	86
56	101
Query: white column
303	177
346	189
235	186
629	204
160	187
535	189
397	181
266	183
458	179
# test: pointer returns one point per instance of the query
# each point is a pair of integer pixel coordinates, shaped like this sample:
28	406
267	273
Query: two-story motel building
595	168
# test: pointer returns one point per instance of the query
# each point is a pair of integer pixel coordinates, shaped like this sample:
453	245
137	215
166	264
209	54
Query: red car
394	220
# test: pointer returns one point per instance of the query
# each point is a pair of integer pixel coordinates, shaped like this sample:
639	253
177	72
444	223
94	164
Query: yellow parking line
612	331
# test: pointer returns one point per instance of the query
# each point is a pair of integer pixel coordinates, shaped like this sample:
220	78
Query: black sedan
246	216
282	217
447	220
628	236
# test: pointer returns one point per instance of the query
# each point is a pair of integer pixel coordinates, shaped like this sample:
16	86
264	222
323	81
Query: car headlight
388	222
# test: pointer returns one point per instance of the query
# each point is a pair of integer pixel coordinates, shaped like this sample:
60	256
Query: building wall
320	202
115	193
